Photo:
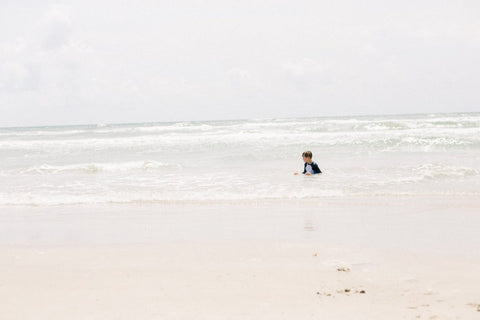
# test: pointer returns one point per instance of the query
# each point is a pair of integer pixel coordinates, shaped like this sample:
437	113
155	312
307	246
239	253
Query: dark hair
307	154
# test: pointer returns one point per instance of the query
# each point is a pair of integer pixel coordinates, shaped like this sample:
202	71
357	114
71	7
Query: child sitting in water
309	167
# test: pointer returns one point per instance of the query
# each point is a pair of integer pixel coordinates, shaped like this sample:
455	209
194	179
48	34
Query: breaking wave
92	168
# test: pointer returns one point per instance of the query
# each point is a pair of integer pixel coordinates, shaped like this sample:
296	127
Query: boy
309	167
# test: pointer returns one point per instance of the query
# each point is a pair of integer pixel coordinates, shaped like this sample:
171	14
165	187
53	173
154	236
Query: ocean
241	160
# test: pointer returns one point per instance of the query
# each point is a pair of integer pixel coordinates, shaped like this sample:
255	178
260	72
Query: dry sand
254	280
237	274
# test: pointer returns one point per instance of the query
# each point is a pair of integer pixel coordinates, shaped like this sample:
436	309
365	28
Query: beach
242	160
367	258
206	220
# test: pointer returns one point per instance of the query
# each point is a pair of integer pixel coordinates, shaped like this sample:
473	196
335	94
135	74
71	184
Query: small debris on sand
344	291
323	294
361	291
475	305
343	269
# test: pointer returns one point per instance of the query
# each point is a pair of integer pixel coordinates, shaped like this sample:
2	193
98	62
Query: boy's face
307	159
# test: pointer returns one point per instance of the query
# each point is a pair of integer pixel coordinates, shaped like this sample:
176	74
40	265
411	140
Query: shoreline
427	224
434	198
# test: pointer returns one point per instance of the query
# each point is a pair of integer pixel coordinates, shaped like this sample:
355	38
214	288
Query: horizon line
238	119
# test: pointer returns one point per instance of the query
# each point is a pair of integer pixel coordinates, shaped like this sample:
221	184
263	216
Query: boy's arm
315	168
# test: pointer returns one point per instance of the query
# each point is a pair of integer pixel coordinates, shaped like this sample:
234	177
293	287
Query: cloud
16	77
87	61
57	24
306	73
237	73
27	60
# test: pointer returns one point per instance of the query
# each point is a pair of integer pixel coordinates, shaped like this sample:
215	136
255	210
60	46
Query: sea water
241	160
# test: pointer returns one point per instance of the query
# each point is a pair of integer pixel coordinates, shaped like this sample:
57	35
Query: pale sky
82	62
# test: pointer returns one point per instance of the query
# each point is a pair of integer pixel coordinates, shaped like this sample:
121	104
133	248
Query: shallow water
243	160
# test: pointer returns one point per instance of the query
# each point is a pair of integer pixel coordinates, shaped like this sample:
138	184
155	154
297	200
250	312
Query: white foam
96	167
438	170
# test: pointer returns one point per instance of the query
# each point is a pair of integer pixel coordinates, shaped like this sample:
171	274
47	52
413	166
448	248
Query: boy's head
307	156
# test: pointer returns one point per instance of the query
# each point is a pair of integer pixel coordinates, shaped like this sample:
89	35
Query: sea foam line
94	167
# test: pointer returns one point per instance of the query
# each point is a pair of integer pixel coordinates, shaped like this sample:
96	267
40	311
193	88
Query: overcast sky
77	62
